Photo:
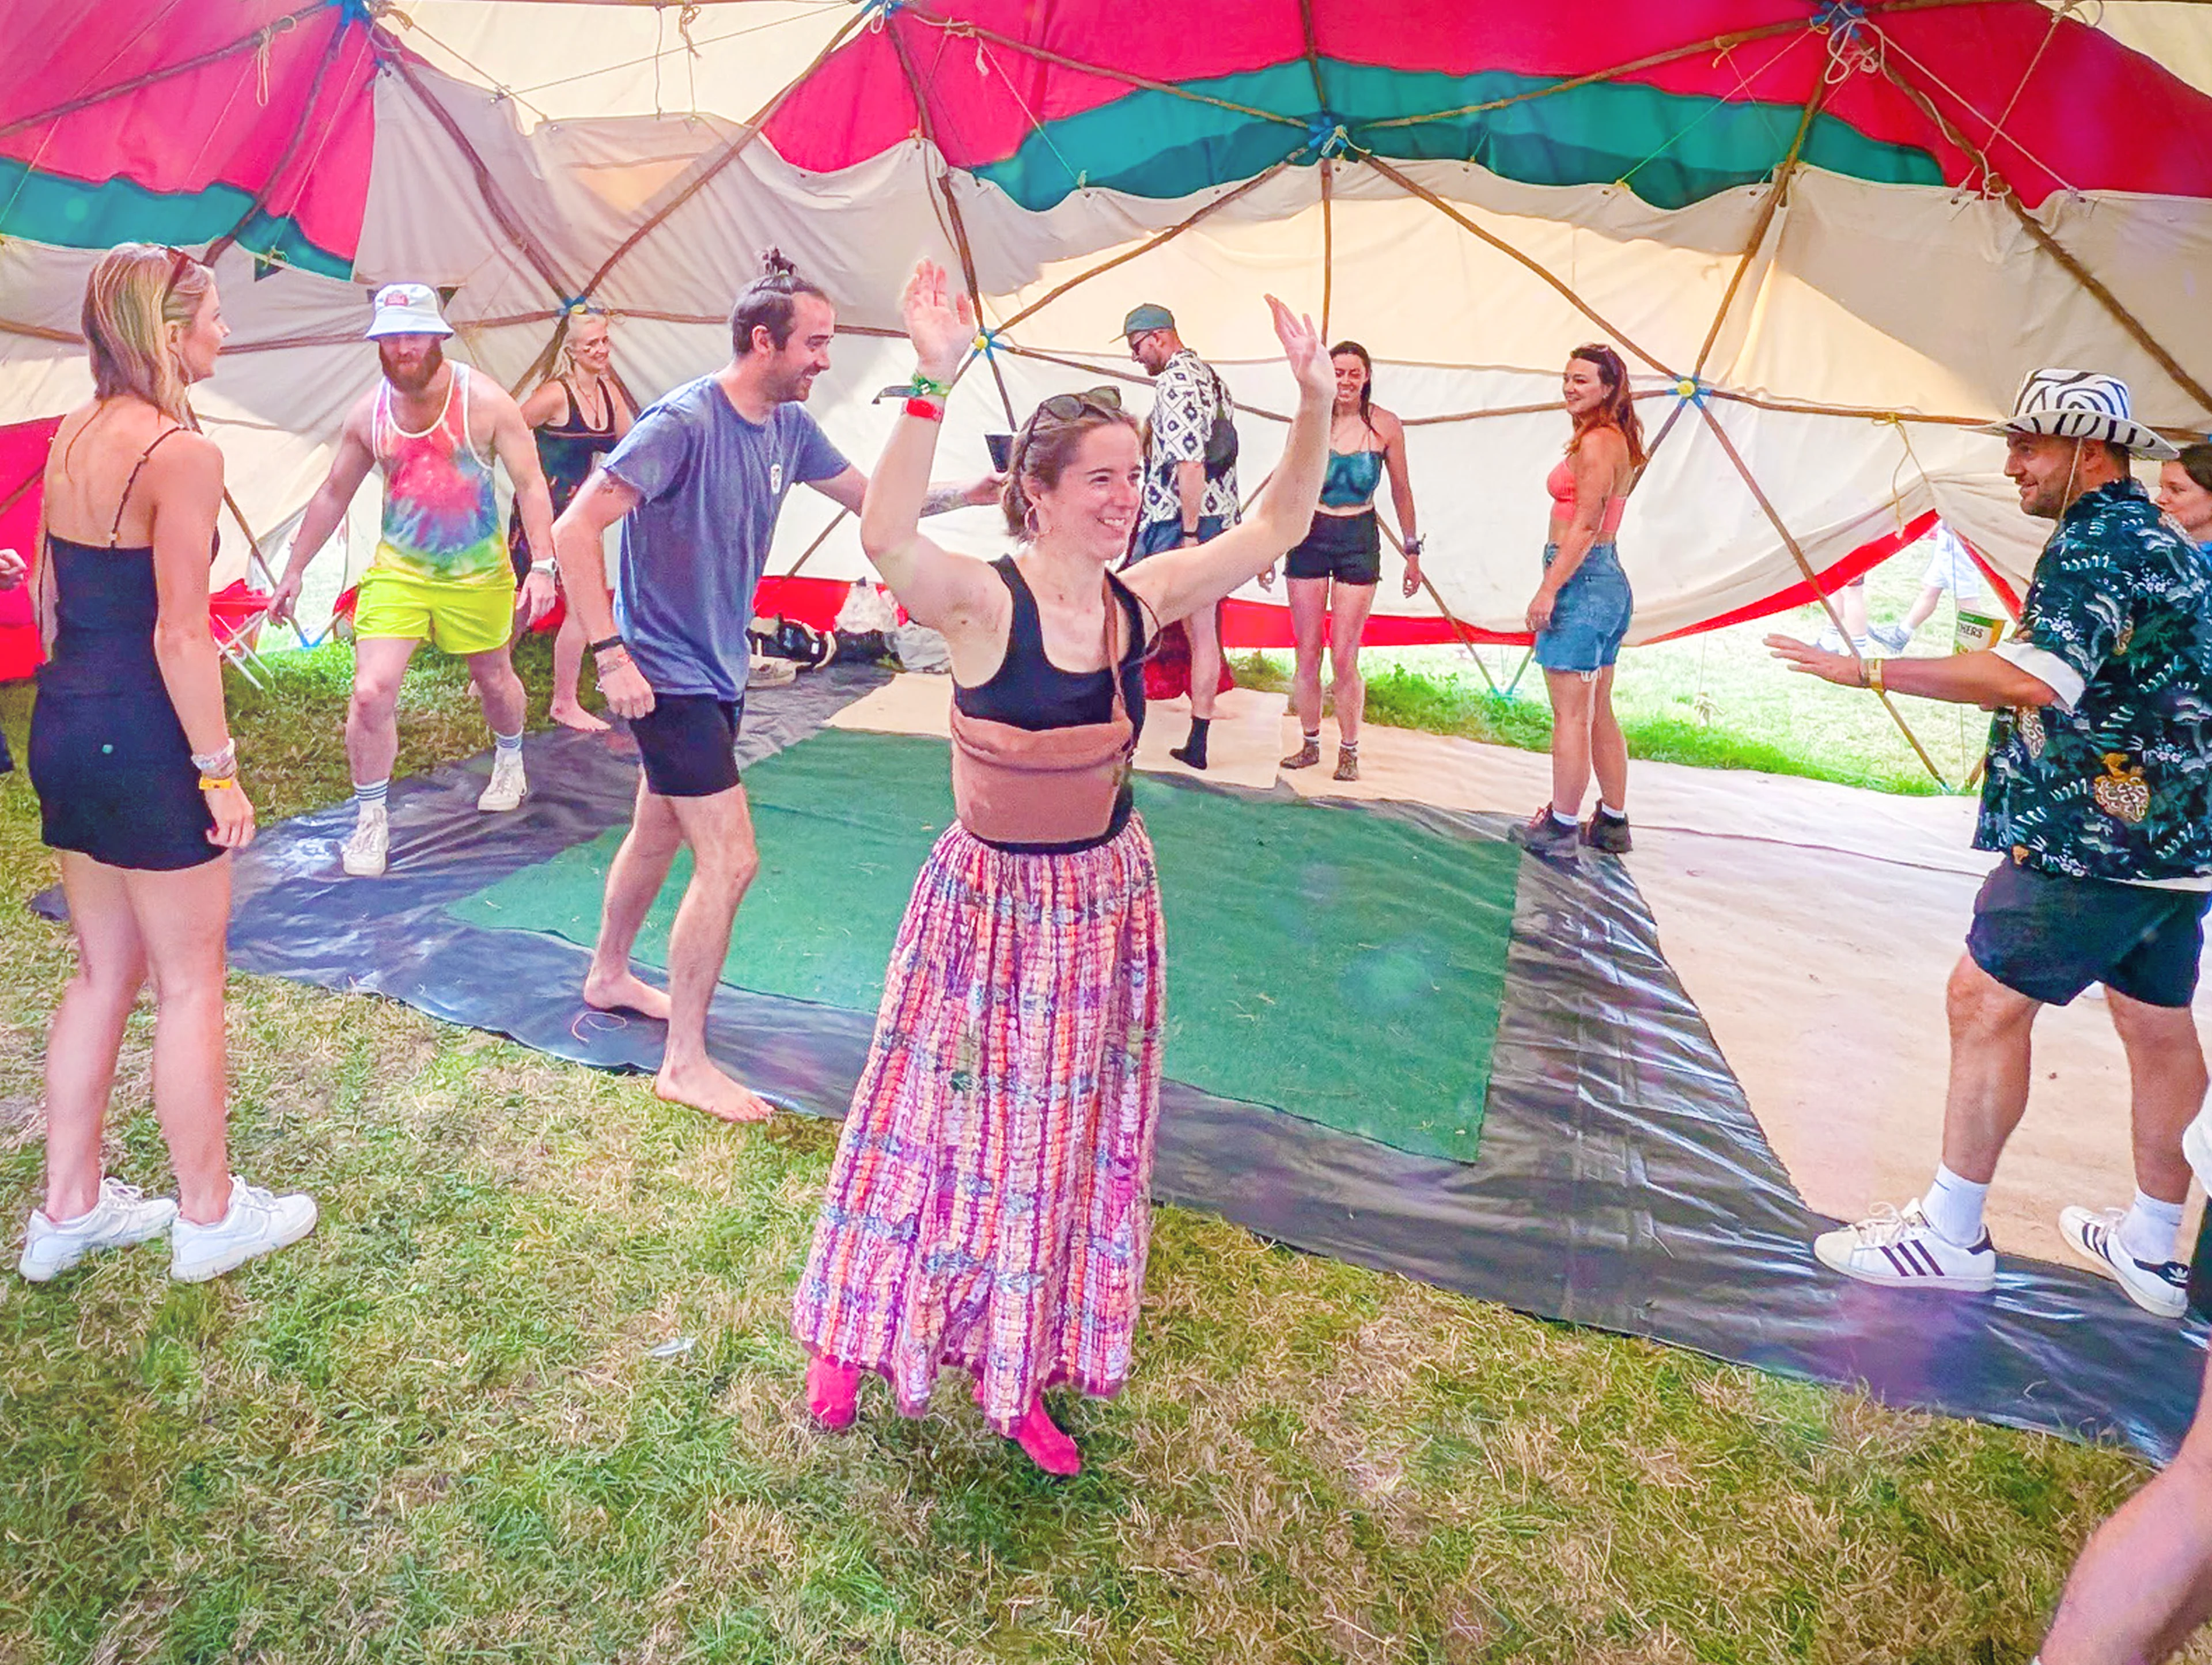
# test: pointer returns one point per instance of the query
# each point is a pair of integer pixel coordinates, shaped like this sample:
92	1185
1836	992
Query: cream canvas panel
2174	34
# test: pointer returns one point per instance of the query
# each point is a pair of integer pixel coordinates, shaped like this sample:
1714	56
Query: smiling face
2050	473
1093	503
591	349
1351	380
410	363
2180	496
804	355
1581	388
1153	348
196	342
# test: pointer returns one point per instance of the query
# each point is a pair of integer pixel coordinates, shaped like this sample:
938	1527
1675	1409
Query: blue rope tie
985	344
1843	18
1325	135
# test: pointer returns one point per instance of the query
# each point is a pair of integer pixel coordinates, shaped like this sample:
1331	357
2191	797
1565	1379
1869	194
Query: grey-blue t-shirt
693	548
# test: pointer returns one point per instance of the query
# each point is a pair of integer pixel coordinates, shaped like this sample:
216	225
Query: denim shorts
1156	537
1589	619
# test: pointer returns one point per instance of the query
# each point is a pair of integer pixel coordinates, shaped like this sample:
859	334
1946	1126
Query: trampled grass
433	1433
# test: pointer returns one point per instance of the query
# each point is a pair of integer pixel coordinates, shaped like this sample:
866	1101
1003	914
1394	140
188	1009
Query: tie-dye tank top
440	510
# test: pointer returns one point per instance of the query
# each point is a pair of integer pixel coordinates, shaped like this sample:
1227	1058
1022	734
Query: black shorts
688	744
1347	548
2049	937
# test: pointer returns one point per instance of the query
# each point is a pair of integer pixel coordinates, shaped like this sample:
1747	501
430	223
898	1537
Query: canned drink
1976	631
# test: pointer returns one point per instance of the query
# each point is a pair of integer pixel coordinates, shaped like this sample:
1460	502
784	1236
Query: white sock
1563	820
366	793
2149	1228
1606	809
1954	1208
507	742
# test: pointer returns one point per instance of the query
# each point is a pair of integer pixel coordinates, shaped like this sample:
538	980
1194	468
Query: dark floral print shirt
2119	786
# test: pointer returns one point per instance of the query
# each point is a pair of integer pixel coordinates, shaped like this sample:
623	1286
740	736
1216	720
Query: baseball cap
1150	316
406	309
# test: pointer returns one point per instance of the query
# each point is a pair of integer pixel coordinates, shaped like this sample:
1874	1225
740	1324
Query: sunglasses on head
1067	407
181	260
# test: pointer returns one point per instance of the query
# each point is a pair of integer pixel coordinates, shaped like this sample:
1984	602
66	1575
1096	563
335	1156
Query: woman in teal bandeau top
1334	571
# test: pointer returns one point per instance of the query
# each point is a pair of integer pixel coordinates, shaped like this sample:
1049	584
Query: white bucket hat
2081	404
407	309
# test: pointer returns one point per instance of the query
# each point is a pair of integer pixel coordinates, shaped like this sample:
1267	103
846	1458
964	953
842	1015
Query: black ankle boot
1192	752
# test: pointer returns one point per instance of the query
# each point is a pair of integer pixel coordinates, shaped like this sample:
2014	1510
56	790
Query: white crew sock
1954	1208
366	793
1563	820
2149	1228
507	742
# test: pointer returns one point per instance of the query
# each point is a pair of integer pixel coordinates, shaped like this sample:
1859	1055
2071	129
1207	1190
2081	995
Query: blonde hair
580	313
135	291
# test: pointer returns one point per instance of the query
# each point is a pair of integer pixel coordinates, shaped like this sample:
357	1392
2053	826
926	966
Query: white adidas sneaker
258	1222
508	784
365	853
1897	1247
123	1215
2159	1287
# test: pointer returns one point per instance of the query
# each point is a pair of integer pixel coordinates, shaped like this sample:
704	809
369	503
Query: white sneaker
2159	1287
508	786
256	1223
364	853
2196	1146
1900	1248
122	1216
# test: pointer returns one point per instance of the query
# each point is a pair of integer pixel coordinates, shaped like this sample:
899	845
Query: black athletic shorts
688	744
1347	548
2049	937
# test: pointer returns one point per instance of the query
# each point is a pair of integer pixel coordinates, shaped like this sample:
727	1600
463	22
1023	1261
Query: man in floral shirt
2099	794
1188	500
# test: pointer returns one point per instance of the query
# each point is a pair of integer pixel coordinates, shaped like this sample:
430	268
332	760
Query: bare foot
625	992
571	715
704	1087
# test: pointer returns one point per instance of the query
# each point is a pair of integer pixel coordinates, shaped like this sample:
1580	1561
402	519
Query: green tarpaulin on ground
1337	965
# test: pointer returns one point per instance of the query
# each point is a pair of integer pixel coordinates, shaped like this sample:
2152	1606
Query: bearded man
441	572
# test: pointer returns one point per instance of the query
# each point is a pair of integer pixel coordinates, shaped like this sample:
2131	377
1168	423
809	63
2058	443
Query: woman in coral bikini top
1581	612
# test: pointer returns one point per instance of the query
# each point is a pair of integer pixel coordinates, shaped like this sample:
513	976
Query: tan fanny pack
1049	786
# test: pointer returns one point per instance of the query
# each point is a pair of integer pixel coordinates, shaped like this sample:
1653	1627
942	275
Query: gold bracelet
1874	678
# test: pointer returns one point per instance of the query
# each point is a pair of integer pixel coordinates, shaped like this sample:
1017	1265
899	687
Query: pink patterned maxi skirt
989	1205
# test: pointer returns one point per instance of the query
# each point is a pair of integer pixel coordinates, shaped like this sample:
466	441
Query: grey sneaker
1607	834
122	1216
1542	835
256	1223
1890	638
363	855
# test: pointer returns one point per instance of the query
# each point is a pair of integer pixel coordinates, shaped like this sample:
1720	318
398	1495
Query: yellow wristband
218	783
1874	678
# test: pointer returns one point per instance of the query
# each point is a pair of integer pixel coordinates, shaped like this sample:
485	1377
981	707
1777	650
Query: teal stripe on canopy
48	208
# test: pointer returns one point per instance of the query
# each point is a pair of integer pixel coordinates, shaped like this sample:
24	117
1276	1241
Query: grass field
433	1433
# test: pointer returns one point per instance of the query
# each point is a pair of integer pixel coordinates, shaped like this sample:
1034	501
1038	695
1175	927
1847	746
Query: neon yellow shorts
455	618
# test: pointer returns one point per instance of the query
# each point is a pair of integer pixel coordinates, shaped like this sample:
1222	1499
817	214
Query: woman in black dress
131	758
578	416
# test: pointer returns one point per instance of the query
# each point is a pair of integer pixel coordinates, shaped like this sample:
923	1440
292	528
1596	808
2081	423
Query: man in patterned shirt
1186	500
2098	791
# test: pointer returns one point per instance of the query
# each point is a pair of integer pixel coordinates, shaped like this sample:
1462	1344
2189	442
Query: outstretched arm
1179	582
325	509
948	593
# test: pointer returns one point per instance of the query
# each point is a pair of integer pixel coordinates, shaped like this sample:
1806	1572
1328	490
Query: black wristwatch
606	642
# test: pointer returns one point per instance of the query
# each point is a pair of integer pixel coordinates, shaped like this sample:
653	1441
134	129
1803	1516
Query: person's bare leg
183	919
1308	615
499	691
2144	1582
1850	602
1923	608
1571	693
1990	1030
724	858
2167	1080
87	1032
1204	661
566	708
372	736
1347	688
1608	746
633	880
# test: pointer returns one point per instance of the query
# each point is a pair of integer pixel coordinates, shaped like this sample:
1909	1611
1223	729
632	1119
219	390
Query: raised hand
939	321
1302	346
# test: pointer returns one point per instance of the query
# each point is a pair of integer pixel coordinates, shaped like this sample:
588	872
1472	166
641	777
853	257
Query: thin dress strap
130	484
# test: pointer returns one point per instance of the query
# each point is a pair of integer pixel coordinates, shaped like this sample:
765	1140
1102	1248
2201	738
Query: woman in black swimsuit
137	779
579	417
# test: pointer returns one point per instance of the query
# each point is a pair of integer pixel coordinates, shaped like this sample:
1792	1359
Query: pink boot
1046	1442
831	1390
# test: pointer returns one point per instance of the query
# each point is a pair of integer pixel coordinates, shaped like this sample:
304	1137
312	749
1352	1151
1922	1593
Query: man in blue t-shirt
697	485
